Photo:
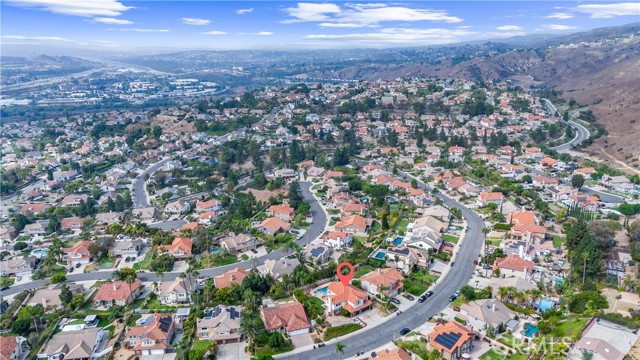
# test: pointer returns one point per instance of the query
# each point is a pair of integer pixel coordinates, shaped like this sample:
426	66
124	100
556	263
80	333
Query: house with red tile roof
78	253
585	172
350	298
33	208
384	282
353	208
331	174
394	354
233	276
272	226
544	181
486	198
352	224
451	339
207	217
283	212
180	248
455	183
209	205
13	347
72	223
286	318
120	293
548	162
513	266
152	335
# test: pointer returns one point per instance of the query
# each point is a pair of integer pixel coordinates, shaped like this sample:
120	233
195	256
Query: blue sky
125	25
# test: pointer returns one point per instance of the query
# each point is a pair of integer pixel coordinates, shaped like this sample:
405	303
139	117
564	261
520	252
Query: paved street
139	194
417	314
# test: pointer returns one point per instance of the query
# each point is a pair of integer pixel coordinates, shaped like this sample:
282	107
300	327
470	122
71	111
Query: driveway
233	351
301	340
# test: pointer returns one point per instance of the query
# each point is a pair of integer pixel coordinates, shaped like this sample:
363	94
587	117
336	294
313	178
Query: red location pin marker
345	278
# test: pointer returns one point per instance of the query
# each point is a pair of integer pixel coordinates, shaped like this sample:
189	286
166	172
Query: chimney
493	307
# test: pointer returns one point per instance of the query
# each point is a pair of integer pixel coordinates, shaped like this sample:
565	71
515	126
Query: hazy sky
126	25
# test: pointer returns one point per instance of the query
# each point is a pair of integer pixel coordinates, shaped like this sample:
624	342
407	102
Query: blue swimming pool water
545	304
530	330
380	255
40	252
322	291
398	240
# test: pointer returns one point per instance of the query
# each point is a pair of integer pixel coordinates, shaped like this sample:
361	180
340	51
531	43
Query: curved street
459	275
582	133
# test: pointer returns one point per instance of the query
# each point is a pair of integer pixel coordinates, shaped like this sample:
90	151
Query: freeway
582	133
459	275
315	230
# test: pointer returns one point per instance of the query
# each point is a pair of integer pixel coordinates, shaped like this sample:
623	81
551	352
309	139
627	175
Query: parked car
409	297
422	298
395	301
456	309
429	293
405	331
4	288
452	298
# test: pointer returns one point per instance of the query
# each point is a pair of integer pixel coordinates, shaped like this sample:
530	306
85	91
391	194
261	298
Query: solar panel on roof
448	339
216	311
233	313
165	323
317	251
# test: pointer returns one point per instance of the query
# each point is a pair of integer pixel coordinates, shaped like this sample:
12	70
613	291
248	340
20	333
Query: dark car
452	298
404	331
429	293
395	301
4	288
373	354
422	298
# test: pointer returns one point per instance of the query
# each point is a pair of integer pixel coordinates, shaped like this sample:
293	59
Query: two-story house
152	335
353	300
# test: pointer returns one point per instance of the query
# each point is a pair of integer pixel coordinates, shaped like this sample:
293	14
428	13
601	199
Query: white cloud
263	33
75	7
214	32
195	21
35	38
509	28
556	27
560	16
112	21
244	11
399	35
362	15
606	11
345	25
141	30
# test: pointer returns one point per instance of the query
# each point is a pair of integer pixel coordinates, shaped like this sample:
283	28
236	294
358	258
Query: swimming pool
530	330
545	304
398	240
322	291
39	252
380	255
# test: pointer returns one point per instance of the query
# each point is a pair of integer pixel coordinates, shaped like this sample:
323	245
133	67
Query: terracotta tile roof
387	277
117	290
7	346
513	262
233	276
188	226
34	208
353	220
206	204
281	209
72	223
347	293
455	183
275	224
414	192
395	354
180	243
522	218
548	161
81	247
491	196
158	328
290	315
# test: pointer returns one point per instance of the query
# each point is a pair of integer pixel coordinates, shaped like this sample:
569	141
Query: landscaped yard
418	282
492	354
144	264
362	269
450	238
417	347
558	241
414	289
375	226
402	225
569	328
340	330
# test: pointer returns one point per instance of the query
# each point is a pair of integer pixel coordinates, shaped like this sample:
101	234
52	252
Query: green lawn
450	238
414	289
144	264
458	302
402	225
517	356
362	270
417	347
492	354
341	330
558	241
494	241
5	281
569	328
375	226
224	260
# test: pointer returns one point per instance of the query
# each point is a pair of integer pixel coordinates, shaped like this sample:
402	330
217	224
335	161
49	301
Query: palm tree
587	355
248	326
340	349
503	292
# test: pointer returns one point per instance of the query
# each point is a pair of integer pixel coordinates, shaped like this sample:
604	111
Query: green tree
125	273
577	181
65	295
340	347
21	327
58	278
